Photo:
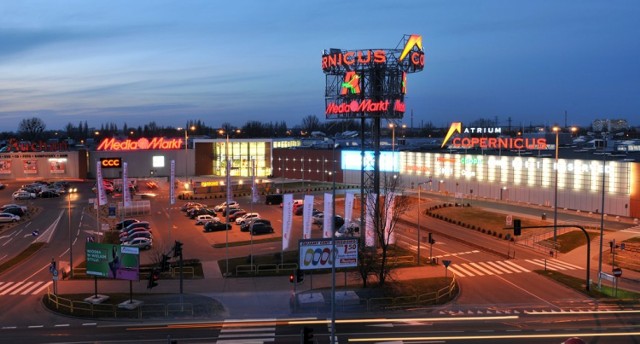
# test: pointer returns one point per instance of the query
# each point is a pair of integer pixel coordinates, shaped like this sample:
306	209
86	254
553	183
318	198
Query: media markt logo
413	41
351	84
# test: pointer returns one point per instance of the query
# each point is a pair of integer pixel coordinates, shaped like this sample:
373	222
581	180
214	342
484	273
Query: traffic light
299	276
177	249
154	276
517	227
292	278
307	335
164	265
431	240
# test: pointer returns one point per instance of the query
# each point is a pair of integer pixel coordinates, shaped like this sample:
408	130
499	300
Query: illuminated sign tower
370	84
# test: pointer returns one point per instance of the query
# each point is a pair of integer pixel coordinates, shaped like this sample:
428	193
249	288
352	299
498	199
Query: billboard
113	261
316	253
352	161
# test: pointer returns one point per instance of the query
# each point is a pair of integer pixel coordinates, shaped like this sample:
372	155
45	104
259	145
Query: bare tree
31	128
385	210
311	123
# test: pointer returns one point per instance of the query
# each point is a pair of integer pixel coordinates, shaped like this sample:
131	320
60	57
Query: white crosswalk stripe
23	288
232	333
486	268
553	264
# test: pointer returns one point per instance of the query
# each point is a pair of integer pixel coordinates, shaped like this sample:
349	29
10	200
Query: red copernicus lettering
353	58
504	143
160	143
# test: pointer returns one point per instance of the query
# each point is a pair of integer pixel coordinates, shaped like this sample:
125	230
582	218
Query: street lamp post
70	238
419	215
556	129
393	136
333	246
604	162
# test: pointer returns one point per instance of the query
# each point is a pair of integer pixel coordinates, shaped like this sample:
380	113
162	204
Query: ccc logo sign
110	163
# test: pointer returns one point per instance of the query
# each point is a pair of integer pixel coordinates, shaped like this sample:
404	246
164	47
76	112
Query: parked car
318	219
202	219
273	199
246	217
124	223
6	217
231	211
19	211
142	243
214	226
2	186
190	205
236	214
14	205
245	226
48	194
222	206
135	230
21	194
260	228
348	230
139	224
300	210
193	213
141	234
296	202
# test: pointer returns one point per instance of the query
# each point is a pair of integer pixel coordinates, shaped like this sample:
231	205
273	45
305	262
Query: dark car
191	205
245	226
15	211
300	210
125	223
274	199
260	228
214	226
230	210
236	214
48	194
338	221
193	213
139	224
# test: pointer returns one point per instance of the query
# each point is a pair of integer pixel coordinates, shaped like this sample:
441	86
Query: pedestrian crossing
23	288
233	332
505	267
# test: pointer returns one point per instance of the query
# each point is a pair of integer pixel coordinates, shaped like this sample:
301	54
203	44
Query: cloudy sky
233	61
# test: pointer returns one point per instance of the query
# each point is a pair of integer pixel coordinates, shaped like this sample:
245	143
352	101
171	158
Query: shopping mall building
525	176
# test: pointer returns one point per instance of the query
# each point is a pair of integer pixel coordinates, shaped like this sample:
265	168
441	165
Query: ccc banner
111	162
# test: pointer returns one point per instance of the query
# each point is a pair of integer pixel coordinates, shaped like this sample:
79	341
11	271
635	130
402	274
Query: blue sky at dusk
233	61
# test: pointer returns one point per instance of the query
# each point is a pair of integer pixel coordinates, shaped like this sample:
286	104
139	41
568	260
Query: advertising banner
30	166
172	183
328	215
5	166
57	166
306	216
316	254
102	195
389	233
126	193
348	207
287	219
113	261
370	235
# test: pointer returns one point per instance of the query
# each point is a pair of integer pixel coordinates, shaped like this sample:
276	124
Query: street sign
55	273
617	272
509	220
446	263
605	276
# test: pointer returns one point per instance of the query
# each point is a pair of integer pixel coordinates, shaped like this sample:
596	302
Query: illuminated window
157	161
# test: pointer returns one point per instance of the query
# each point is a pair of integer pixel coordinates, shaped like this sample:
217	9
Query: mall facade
527	177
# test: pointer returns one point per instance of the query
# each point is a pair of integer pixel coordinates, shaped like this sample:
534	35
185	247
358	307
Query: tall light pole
70	237
333	247
419	214
186	154
604	162
556	129
393	136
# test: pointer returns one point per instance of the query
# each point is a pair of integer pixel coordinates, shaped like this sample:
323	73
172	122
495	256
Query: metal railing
413	300
253	269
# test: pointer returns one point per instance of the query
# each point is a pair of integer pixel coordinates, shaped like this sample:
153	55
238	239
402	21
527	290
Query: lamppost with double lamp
604	168
69	192
333	245
228	184
419	215
186	154
556	129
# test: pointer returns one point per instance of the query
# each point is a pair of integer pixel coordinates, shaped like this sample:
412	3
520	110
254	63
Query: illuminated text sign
366	105
40	146
110	162
489	142
111	144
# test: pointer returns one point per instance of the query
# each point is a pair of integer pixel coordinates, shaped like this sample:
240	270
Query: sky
235	61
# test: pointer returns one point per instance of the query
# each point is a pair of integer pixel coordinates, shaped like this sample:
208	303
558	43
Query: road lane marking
26	285
480	267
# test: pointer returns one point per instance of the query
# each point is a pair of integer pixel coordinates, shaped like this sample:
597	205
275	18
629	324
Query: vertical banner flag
348	208
102	195
228	181
307	211
254	187
172	183
389	233
328	215
370	237
126	193
287	219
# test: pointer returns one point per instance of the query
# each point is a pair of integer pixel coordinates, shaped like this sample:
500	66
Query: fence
265	269
82	308
413	300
